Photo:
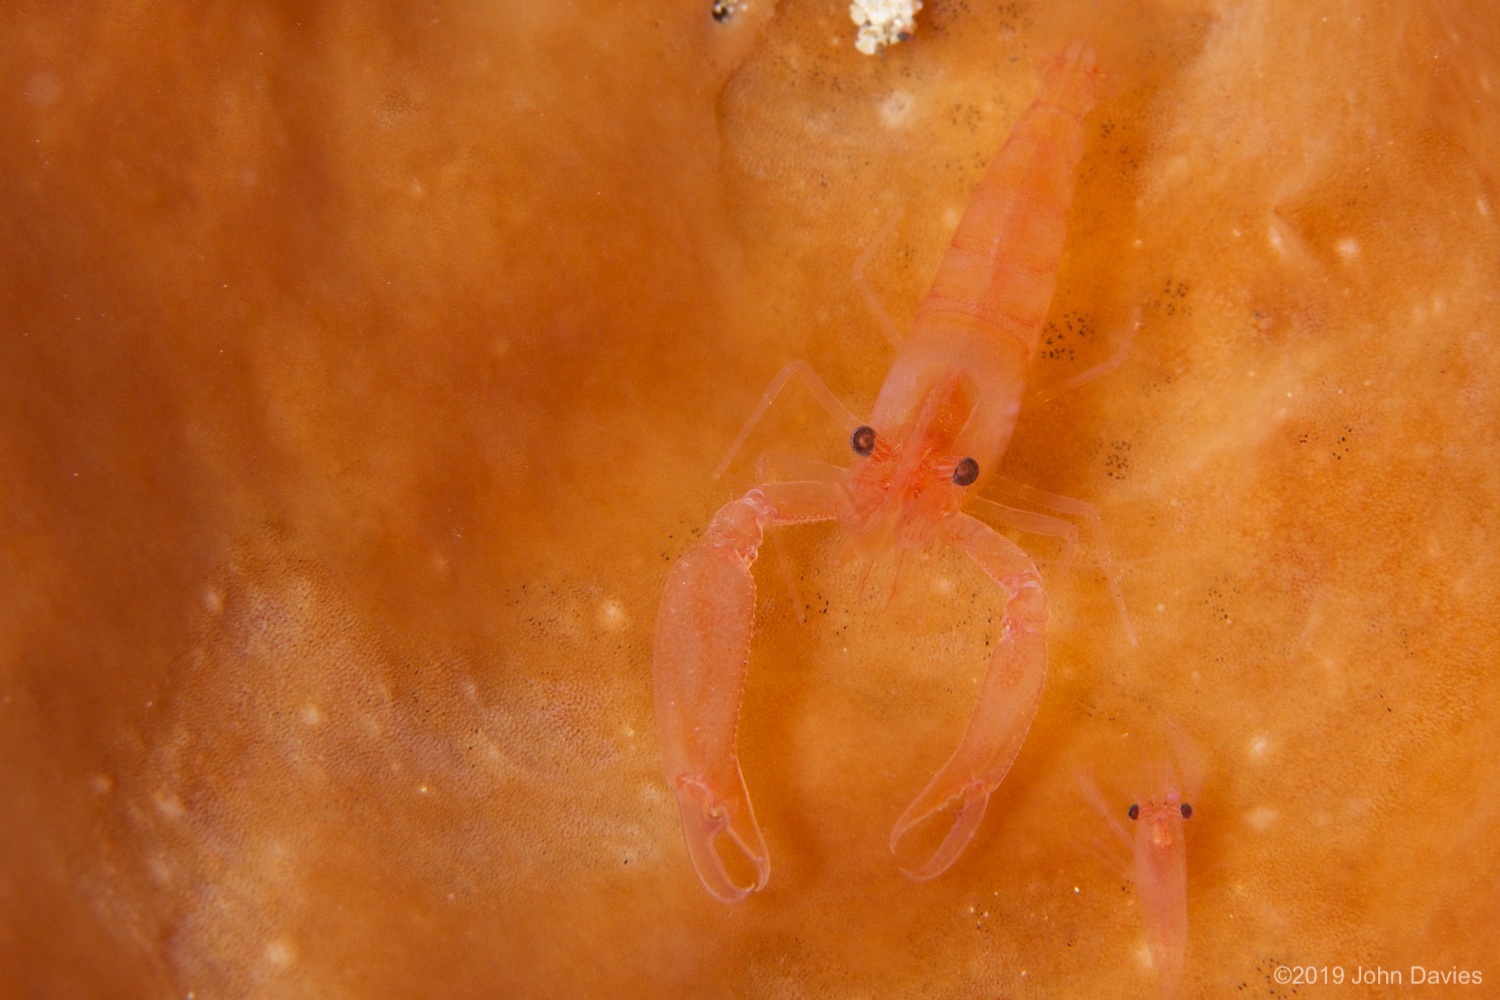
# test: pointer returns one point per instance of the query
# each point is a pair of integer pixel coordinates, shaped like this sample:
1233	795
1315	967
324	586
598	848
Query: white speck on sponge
280	954
612	616
883	22
896	109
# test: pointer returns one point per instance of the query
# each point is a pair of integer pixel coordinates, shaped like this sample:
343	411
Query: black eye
862	440
965	472
1135	812
1186	810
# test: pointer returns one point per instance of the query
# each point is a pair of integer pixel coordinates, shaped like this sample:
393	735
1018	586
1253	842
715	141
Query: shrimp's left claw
971	800
1008	700
704	817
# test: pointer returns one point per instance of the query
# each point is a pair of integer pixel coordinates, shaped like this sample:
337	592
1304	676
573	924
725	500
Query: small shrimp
941	422
1161	806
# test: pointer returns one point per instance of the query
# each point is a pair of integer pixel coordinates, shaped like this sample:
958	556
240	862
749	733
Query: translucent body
1159	869
1160	807
953	392
1161	883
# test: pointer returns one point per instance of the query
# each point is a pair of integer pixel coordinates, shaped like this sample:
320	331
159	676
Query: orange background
362	368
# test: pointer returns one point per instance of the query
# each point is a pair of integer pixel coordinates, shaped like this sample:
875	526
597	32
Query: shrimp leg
1038	524
1090	516
701	648
1008	700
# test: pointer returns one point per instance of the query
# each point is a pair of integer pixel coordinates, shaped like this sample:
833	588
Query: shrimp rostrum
941	423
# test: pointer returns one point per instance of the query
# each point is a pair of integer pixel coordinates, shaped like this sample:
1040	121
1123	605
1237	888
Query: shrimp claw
972	798
701	648
704	817
1008	701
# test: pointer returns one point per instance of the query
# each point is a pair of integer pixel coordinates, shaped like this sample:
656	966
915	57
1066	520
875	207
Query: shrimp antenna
1083	378
820	391
857	275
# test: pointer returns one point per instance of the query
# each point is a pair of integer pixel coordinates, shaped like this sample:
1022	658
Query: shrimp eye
1186	810
965	472
1135	812
862	440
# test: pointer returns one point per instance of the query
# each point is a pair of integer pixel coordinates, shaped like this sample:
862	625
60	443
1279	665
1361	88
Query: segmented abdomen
999	273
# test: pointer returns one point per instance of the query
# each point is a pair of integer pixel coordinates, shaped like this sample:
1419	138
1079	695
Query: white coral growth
883	22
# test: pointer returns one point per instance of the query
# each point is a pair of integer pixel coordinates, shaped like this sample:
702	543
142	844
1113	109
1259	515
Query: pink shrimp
941	423
1160	808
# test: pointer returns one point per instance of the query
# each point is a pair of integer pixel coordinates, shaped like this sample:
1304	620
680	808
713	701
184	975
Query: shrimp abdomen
999	273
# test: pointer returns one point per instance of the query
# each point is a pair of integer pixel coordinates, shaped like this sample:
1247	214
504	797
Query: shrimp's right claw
699	655
704	817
